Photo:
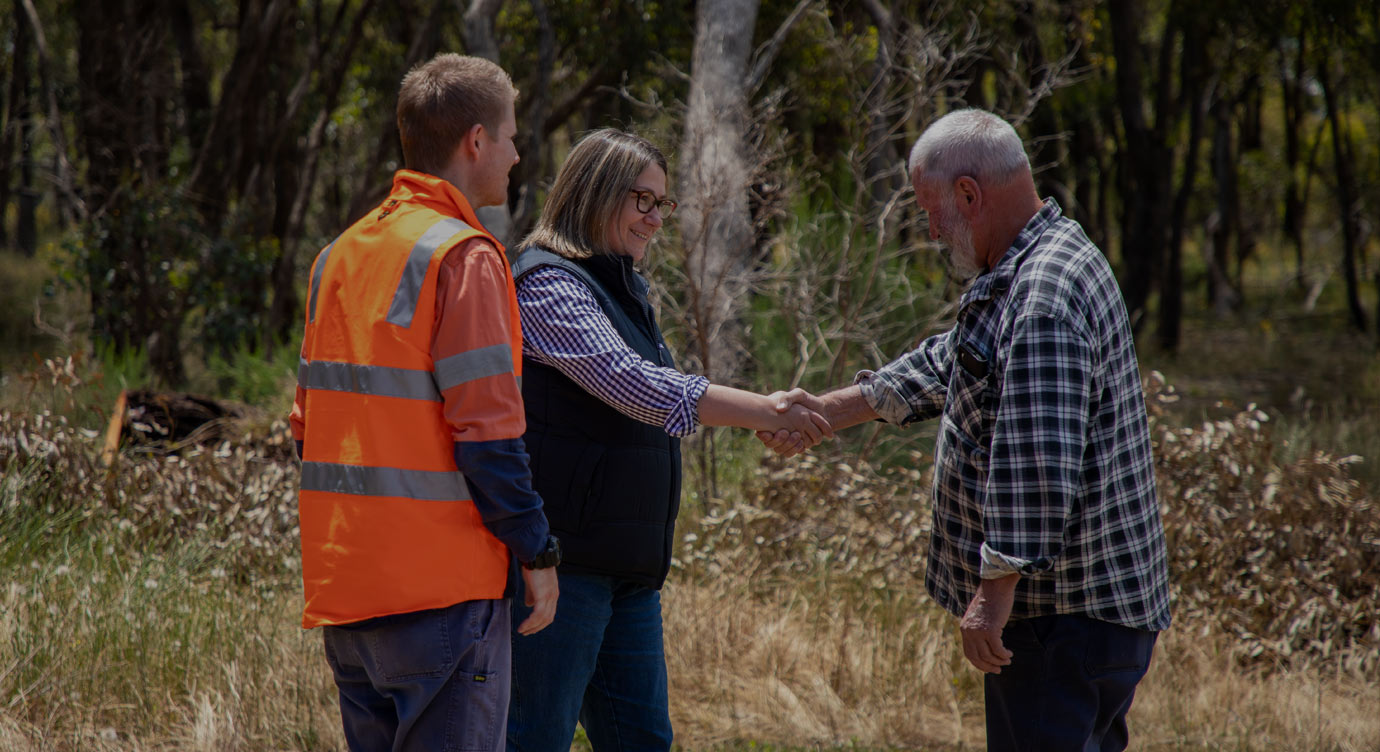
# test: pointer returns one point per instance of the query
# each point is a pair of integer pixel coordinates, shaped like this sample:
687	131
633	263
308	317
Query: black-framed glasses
646	200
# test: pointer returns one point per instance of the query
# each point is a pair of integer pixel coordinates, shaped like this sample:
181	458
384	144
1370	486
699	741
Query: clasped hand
804	424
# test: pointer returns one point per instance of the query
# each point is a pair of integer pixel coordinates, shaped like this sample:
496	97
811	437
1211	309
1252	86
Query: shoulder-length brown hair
589	191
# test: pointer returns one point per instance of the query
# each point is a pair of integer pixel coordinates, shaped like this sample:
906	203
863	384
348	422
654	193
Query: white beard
956	242
960	255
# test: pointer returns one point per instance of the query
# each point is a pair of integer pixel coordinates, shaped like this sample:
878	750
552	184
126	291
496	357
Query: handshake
802	423
786	422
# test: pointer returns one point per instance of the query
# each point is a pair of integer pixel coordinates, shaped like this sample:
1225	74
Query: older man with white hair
1047	541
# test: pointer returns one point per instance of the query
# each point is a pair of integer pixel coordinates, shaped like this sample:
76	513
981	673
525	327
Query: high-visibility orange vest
387	523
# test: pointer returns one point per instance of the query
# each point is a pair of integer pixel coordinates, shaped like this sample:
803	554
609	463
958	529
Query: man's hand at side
542	591
982	624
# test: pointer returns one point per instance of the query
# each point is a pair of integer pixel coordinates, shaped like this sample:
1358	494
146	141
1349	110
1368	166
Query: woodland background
171	169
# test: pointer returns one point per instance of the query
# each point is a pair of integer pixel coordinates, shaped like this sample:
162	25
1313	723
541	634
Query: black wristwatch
549	556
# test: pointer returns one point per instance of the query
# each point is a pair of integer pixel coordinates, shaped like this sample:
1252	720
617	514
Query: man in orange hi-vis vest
416	496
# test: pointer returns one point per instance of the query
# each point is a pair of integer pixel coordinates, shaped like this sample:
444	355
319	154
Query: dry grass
796	674
1196	697
155	606
813	671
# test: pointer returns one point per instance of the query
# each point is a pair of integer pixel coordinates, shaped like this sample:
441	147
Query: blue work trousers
433	681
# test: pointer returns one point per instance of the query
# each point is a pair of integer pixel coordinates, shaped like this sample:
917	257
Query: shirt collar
998	280
436	193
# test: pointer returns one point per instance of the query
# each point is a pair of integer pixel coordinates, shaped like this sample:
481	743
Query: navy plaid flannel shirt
1042	461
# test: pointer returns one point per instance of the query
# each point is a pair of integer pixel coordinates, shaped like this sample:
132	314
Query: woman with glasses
605	409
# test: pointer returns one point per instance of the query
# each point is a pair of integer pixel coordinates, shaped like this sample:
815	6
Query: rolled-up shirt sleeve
1038	444
912	387
564	327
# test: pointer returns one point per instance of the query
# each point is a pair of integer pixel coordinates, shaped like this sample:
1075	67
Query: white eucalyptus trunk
715	172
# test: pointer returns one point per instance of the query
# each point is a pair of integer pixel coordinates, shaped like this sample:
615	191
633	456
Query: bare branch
766	54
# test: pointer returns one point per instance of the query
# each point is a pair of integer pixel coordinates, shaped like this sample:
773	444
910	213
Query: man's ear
968	196
471	144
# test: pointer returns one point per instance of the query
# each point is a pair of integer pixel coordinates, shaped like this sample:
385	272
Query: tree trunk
479	27
716	169
970	89
1145	160
1249	138
224	163
523	189
196	80
1292	94
1192	74
480	41
367	189
1347	193
298	165
1086	158
8	110
107	158
1056	177
123	67
1221	297
18	135
70	206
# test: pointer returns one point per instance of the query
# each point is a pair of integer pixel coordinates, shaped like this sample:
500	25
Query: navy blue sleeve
501	485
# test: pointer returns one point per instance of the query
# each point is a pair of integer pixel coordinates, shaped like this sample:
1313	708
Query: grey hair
969	142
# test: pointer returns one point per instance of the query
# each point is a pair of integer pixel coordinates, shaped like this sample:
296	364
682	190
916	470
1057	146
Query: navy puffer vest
610	484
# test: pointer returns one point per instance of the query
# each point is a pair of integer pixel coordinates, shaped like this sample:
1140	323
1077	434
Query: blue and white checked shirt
1042	461
564	327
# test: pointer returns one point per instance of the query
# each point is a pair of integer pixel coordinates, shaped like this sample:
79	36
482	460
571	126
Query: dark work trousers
426	681
1069	685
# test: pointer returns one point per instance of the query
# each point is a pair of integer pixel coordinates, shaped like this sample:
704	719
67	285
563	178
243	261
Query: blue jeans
600	662
427	680
1069	685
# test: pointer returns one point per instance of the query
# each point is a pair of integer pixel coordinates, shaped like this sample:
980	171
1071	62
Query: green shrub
252	376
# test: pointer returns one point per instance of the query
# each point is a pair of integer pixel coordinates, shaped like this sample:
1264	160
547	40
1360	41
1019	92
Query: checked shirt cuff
996	564
884	397
684	417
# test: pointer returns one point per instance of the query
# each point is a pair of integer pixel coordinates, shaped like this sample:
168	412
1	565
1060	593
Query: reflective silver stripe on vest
404	305
359	480
383	381
474	364
316	281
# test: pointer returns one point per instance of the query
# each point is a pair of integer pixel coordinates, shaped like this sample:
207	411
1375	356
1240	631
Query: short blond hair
441	99
589	192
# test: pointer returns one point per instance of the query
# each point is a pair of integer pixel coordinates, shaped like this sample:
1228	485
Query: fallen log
169	421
